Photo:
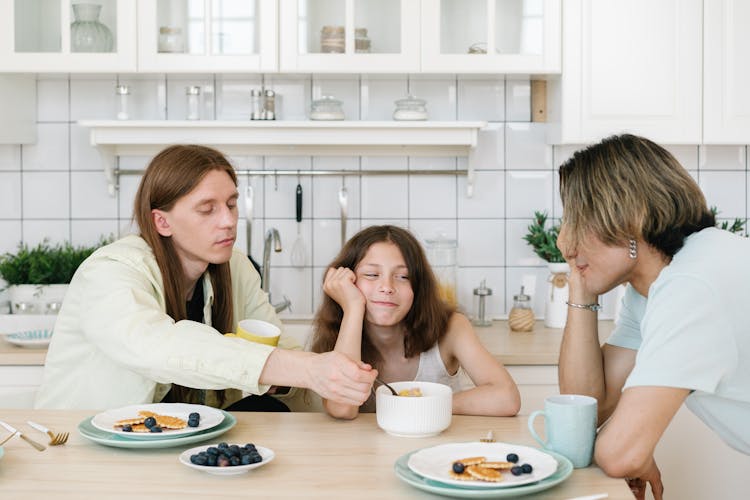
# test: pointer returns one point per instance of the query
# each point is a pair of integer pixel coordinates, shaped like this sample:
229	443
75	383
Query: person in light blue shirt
632	214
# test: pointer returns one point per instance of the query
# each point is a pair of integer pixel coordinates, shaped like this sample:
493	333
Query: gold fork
55	439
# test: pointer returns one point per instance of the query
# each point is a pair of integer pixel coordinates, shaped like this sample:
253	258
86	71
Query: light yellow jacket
114	345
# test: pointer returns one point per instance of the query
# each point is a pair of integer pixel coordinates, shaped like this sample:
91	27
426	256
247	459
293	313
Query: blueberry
516	470
149	422
212	450
512	458
527	468
193	423
222	445
234	460
127	428
198	460
211	460
155	428
255	458
458	467
194	415
246	459
222	461
249	446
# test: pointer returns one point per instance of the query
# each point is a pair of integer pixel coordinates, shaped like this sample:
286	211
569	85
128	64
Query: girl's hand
339	284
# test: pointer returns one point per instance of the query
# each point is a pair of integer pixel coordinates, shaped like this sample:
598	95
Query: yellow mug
256	330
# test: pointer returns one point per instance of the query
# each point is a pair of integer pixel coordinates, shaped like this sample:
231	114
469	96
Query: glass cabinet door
349	35
67	35
491	36
211	35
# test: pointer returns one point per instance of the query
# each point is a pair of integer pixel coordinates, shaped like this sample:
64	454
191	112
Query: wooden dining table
315	456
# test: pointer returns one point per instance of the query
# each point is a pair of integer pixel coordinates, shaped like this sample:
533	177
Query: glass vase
87	34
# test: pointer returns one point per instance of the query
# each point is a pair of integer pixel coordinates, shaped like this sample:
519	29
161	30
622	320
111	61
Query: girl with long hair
382	306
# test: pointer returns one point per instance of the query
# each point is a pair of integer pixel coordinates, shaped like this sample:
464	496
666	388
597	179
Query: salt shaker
269	105
256	104
122	91
193	102
480	306
521	317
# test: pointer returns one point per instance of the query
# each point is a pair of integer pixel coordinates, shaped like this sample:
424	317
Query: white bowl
409	416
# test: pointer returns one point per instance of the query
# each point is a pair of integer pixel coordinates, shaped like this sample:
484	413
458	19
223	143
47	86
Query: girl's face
602	267
203	223
383	278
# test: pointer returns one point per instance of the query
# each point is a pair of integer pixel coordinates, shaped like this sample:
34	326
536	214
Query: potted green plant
38	277
543	240
737	225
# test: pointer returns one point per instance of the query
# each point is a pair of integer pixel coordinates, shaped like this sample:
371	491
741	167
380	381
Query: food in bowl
427	415
413	392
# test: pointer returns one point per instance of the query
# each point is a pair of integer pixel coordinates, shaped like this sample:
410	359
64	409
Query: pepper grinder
480	306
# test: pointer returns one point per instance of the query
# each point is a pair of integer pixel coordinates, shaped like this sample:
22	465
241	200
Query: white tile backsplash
516	174
51	149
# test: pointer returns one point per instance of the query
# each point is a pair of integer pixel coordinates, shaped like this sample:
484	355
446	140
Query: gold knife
23	436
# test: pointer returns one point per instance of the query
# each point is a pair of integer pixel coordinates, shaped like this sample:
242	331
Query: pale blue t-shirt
693	331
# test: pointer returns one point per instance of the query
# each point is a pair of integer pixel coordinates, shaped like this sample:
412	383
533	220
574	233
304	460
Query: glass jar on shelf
171	40
361	41
87	33
193	95
441	253
327	108
410	108
332	40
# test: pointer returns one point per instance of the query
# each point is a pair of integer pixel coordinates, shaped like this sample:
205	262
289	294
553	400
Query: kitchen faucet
272	237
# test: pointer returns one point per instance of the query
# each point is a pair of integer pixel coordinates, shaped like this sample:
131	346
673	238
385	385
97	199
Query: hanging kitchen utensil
343	202
249	196
298	249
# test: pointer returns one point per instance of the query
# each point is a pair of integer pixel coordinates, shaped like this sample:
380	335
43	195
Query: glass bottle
480	305
441	252
521	316
256	104
122	91
193	94
87	34
269	105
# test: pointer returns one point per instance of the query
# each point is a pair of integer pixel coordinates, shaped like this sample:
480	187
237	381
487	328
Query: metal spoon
393	391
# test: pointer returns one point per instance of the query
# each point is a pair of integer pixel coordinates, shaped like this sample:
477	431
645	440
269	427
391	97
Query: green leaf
544	240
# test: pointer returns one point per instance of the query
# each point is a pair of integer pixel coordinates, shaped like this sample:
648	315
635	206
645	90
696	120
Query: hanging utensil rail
359	173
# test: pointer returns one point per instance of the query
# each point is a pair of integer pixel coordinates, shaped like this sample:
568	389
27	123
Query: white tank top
431	369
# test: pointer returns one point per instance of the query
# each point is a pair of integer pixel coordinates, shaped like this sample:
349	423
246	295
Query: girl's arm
339	285
495	393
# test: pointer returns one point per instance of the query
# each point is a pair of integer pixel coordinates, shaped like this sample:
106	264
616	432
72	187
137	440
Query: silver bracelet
591	307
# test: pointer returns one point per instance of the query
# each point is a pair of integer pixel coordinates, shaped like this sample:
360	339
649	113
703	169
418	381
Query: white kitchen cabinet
349	36
18	385
207	36
726	73
535	384
38	36
629	66
491	36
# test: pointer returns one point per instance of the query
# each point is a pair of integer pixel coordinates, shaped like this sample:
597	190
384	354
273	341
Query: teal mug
570	427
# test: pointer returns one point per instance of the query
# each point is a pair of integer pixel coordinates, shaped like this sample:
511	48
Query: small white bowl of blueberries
226	459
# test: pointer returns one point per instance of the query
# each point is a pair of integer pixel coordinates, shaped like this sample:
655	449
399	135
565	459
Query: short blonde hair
628	187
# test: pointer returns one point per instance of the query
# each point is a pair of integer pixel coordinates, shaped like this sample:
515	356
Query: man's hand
653	477
337	378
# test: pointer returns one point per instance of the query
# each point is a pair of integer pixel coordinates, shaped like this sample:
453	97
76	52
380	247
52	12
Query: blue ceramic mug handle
531	427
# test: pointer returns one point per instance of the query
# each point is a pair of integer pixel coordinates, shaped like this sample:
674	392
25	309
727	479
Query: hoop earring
632	249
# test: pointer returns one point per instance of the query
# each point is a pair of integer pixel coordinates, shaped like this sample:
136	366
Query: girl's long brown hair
426	321
172	174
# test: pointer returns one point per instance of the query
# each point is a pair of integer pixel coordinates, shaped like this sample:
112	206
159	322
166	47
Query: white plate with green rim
404	473
436	462
209	417
108	438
